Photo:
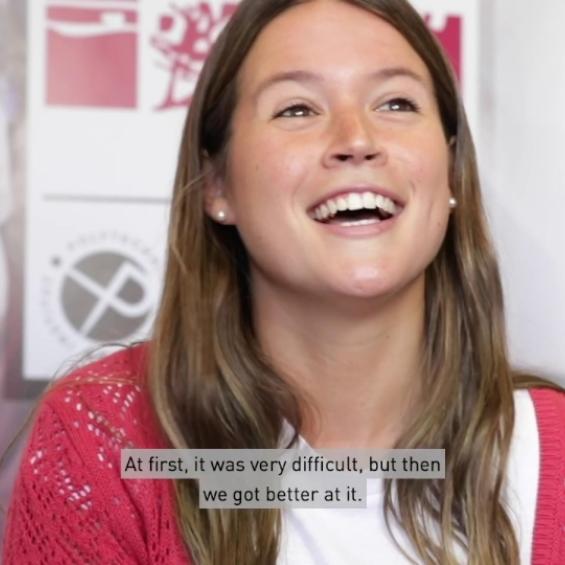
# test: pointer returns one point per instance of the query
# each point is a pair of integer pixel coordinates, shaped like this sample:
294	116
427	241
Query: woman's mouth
356	209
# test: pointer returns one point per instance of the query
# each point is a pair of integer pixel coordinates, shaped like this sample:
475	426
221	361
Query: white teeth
361	222
386	204
369	200
332	205
390	207
341	203
354	201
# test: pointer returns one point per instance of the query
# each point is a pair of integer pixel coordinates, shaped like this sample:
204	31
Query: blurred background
93	95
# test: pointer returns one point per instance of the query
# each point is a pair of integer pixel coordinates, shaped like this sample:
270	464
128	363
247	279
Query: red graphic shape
185	54
92	57
451	38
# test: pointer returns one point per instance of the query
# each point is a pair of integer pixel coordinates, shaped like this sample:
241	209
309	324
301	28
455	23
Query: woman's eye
400	105
295	111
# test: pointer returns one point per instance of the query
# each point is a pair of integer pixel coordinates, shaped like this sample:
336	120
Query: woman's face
338	165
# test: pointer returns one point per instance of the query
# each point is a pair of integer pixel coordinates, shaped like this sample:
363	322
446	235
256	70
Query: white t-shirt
358	536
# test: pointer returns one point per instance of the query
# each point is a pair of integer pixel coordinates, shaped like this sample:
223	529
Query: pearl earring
221	216
452	202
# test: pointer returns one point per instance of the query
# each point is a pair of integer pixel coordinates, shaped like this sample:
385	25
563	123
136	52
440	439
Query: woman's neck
358	366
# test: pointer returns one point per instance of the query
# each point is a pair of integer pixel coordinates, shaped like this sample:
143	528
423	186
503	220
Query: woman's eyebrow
311	77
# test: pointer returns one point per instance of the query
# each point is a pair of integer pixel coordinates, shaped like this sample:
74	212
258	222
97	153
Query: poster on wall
108	85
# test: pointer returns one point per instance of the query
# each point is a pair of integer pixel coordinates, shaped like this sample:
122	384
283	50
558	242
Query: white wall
522	155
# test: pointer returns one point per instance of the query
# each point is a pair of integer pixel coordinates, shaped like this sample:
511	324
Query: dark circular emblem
104	296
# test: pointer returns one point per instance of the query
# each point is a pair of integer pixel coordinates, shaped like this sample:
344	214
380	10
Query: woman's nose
353	140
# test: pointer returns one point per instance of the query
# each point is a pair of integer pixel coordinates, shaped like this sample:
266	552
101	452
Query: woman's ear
216	202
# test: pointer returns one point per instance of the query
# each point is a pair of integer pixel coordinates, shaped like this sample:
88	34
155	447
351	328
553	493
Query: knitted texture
69	505
549	529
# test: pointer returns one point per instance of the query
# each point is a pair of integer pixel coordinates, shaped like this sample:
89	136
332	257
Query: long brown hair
212	387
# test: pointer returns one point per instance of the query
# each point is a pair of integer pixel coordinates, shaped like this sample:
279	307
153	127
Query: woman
329	265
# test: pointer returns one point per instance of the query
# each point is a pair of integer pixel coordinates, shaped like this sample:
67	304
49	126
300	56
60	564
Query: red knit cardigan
70	506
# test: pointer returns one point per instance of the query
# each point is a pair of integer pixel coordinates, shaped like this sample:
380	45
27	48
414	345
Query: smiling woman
320	122
329	268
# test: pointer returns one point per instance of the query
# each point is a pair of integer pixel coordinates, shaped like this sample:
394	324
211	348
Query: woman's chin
371	282
365	282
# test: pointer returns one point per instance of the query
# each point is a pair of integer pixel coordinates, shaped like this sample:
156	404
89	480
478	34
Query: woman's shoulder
549	403
69	492
549	409
543	408
105	399
126	365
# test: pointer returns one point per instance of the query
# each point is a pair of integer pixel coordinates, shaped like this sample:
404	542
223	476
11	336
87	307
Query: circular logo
104	289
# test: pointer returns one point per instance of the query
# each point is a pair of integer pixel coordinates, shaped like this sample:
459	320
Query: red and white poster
91	55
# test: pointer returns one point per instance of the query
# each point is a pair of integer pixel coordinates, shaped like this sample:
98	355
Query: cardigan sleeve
61	509
70	504
549	529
